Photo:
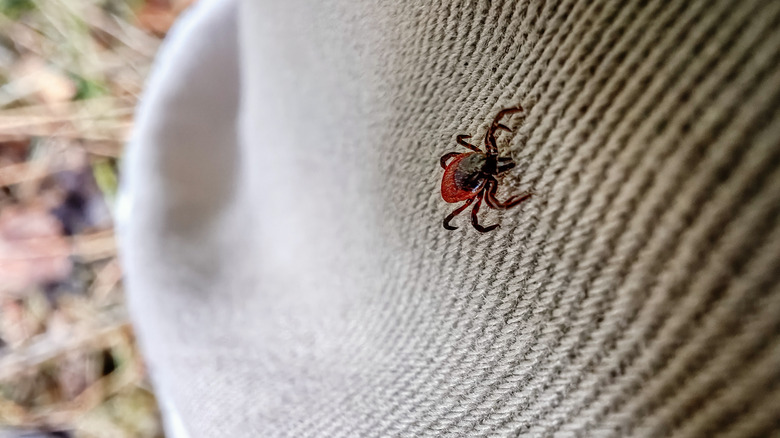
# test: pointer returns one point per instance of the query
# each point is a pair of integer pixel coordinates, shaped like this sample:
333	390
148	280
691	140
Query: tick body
471	176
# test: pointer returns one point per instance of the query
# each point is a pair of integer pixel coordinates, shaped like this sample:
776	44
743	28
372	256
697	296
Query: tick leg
447	157
455	213
504	164
475	220
504	127
505	111
490	197
490	135
461	139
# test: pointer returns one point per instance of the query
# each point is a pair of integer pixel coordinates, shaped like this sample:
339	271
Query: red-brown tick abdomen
458	183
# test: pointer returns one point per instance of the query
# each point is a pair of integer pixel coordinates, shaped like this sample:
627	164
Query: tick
471	176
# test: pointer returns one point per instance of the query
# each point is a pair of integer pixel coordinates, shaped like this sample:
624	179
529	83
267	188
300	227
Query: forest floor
71	72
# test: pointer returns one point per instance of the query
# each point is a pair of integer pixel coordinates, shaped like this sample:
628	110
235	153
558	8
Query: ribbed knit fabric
290	276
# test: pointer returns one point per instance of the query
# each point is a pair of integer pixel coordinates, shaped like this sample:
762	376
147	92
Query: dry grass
71	72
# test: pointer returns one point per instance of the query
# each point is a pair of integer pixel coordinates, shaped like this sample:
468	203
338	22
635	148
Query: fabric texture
286	262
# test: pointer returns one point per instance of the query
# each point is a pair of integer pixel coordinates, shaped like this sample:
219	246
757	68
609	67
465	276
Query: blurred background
71	72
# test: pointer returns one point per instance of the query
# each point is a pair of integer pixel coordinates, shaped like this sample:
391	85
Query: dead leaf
158	16
155	19
49	85
32	249
21	320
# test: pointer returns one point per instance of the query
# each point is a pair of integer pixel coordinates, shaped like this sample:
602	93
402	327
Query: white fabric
190	108
288	270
